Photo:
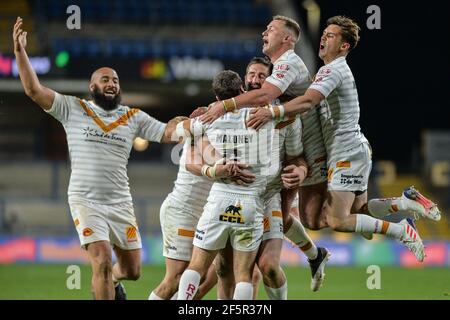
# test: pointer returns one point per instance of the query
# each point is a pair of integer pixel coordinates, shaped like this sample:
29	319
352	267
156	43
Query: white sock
300	237
175	296
153	296
188	286
243	291
382	207
365	223
277	293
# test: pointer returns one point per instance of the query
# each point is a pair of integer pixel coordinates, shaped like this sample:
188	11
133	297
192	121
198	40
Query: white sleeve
293	138
149	128
60	108
198	128
284	73
327	79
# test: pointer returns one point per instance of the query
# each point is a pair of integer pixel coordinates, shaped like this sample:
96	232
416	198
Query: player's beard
105	102
250	87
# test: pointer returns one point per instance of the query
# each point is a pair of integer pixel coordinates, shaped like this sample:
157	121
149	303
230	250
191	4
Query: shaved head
105	88
103	71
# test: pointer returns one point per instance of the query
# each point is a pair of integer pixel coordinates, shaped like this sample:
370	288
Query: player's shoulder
287	58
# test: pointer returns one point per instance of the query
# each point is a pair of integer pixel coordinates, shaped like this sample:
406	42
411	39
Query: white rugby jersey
340	114
289	135
99	144
292	77
190	191
290	74
231	139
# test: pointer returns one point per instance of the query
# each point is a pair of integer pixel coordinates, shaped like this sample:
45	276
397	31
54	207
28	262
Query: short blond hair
291	24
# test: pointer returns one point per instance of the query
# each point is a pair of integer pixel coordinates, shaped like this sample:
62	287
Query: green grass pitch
37	281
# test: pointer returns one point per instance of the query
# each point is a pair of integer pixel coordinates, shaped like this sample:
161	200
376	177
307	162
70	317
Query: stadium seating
169	12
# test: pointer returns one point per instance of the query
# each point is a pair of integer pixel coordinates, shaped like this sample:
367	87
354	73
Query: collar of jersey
122	120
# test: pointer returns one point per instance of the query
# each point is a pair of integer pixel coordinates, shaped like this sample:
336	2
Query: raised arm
43	96
258	97
299	105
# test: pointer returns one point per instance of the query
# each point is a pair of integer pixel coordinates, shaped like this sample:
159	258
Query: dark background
401	72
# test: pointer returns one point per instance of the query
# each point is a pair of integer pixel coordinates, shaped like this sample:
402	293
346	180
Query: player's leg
126	240
294	230
225	276
94	234
207	283
312	191
210	236
317	257
177	226
256	279
100	257
169	285
191	277
268	262
311	199
243	266
245	241
268	259
127	267
349	173
411	202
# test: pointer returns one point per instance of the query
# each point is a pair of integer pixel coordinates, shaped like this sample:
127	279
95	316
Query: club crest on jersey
87	232
232	214
131	233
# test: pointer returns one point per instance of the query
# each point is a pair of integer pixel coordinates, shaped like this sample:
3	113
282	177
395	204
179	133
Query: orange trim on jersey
384	227
330	174
123	120
186	233
283	124
343	164
306	247
277	214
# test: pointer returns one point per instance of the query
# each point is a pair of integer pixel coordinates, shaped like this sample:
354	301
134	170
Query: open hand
214	112
259	117
292	176
198	112
19	36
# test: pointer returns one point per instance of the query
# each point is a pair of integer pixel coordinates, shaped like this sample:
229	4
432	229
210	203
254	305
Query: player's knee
223	270
308	222
269	267
133	273
103	268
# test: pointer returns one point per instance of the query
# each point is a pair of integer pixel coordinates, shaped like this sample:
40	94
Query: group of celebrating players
276	152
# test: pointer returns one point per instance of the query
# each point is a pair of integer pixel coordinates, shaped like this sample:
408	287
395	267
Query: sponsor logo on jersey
351	179
279	75
232	214
171	247
282	67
